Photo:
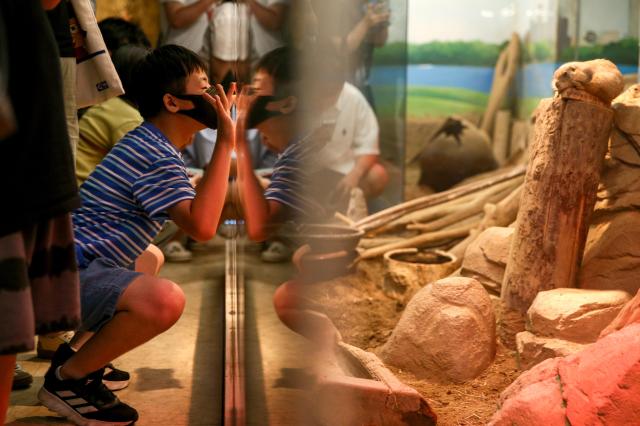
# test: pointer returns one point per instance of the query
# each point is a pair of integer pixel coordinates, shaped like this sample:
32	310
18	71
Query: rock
574	314
533	350
622	149
533	399
599	77
601	385
458	150
446	333
372	396
619	189
612	255
627	110
486	258
629	314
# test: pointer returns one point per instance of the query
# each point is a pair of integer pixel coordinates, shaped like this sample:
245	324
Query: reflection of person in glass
369	29
350	155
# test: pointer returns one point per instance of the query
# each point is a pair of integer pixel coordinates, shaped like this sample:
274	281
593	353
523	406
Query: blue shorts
102	283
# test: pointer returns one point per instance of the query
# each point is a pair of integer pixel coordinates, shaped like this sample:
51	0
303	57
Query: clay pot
408	270
457	151
323	238
316	267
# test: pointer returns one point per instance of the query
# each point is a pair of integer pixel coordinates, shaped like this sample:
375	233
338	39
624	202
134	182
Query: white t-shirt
355	133
190	37
231	31
263	40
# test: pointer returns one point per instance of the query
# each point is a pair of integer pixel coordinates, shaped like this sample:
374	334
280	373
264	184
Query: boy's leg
150	261
7	366
146	308
297	313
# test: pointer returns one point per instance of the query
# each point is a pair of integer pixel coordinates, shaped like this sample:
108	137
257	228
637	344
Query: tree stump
559	193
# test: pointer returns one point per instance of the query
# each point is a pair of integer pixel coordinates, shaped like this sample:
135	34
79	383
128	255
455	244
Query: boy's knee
166	303
284	297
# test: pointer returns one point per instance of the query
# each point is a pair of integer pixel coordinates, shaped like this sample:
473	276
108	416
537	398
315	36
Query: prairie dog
600	78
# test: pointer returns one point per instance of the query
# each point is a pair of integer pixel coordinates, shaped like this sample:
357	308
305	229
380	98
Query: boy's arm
199	217
259	212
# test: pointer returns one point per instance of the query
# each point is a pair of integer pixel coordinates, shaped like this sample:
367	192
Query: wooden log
505	70
436	212
518	143
385	216
470	209
420	240
501	214
367	243
501	134
558	197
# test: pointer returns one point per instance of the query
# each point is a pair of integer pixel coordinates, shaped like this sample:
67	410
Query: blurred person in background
37	295
184	22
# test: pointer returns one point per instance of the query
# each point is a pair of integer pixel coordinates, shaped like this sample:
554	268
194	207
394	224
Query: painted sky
487	20
494	20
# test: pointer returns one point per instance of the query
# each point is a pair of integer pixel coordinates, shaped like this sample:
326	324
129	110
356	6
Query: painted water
534	79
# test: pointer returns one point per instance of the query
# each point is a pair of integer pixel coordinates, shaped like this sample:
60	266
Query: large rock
456	151
486	258
612	255
599	385
446	333
574	314
629	314
533	399
533	350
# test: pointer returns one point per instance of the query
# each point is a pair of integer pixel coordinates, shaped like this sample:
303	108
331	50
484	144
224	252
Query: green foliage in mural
438	52
539	51
621	52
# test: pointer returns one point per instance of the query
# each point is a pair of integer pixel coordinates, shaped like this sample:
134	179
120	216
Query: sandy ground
366	317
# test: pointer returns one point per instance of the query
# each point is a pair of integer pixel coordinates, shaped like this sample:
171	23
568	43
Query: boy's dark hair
164	70
117	32
281	65
125	60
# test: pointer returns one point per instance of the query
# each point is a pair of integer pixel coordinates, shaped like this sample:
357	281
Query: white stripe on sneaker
87	409
76	401
65	394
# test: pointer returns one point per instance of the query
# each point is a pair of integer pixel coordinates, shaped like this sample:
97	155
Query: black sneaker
21	379
115	379
86	402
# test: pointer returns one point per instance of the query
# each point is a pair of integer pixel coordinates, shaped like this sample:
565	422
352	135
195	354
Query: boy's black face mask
259	111
202	112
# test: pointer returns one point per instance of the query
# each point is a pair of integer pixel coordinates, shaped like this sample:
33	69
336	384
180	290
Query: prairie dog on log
600	78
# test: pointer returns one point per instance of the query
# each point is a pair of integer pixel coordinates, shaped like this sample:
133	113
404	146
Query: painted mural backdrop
453	47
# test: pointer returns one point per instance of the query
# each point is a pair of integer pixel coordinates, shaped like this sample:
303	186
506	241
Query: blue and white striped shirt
291	181
125	199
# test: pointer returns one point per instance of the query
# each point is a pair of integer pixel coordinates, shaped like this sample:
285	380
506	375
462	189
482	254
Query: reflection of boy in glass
276	113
